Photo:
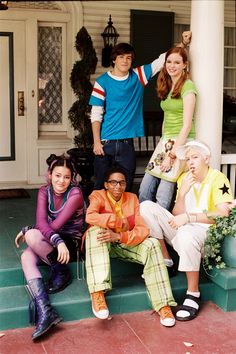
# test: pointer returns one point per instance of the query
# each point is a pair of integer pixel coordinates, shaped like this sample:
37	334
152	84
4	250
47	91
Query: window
230	62
51	77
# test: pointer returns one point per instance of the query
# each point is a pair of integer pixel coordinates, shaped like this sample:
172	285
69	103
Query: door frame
37	148
14	133
12	98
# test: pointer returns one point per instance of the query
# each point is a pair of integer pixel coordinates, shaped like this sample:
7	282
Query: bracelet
188	217
193	217
172	156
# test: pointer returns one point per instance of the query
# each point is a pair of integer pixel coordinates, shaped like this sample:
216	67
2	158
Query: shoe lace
99	301
165	312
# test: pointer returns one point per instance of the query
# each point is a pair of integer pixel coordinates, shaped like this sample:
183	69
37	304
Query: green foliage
82	88
225	226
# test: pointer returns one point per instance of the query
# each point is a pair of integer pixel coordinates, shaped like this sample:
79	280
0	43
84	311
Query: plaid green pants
147	253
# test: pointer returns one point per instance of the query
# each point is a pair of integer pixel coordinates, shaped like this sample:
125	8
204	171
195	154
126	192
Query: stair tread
225	278
14	296
73	303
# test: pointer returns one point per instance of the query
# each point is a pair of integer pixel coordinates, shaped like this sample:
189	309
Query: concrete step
73	303
128	293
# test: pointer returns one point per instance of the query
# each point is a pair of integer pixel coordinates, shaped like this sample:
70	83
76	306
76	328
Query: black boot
43	314
60	275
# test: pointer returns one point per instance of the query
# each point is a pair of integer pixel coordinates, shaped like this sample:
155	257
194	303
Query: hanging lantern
110	36
3	5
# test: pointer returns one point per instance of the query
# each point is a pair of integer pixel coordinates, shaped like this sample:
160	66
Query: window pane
230	63
50	74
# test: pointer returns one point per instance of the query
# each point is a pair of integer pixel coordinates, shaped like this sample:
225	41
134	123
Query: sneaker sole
100	317
167	325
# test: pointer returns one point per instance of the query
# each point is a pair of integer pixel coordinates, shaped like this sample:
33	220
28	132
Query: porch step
224	294
128	295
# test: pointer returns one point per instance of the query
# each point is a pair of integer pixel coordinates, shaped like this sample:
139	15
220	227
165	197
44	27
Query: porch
128	294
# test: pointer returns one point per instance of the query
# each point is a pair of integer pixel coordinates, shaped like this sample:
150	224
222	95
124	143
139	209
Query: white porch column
207	67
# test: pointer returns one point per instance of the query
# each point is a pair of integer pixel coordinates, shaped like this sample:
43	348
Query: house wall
96	14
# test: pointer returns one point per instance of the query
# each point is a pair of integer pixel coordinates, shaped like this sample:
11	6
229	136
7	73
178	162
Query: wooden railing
145	146
228	167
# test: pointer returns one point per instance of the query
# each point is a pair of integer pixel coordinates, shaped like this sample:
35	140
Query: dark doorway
151	33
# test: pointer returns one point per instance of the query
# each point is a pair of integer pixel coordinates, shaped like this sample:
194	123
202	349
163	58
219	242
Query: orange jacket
101	213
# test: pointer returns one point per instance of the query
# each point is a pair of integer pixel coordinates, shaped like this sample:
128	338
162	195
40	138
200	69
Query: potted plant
80	110
220	244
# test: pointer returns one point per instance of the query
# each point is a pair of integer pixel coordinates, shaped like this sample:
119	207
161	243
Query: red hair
164	82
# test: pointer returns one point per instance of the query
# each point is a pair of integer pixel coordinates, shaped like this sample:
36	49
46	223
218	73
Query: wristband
55	239
26	228
188	217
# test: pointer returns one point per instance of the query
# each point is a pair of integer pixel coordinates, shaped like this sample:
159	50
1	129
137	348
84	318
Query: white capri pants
188	240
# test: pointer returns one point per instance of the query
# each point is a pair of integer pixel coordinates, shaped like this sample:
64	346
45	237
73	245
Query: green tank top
173	112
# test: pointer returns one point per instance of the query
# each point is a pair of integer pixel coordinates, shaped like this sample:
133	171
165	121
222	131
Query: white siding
96	14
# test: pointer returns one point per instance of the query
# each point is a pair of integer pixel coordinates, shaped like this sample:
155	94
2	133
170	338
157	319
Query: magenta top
62	214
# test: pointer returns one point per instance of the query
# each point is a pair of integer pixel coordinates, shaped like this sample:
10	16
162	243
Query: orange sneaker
167	318
99	305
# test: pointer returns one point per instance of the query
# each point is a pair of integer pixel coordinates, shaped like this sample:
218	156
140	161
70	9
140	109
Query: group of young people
116	223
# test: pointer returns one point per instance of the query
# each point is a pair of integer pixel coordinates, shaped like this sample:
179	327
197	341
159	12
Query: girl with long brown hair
178	96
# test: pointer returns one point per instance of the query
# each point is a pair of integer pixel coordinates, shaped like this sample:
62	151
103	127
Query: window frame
45	129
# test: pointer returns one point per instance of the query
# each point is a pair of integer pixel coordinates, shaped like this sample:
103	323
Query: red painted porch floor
213	331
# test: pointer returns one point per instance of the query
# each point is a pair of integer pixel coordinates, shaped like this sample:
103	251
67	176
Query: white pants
188	240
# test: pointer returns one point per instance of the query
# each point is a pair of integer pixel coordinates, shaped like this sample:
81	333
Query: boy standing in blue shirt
117	110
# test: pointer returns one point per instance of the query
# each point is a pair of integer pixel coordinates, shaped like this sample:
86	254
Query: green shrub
225	226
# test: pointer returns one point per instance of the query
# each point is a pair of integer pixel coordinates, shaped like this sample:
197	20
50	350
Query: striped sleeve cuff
26	228
55	239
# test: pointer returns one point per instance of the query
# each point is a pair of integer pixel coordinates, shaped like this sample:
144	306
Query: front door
13	134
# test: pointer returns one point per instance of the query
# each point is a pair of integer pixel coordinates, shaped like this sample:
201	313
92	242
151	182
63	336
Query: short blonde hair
198	145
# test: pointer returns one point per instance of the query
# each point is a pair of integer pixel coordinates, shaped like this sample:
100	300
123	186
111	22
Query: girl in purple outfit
60	216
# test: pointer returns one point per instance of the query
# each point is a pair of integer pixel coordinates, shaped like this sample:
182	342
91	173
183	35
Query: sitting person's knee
183	241
92	236
145	206
93	230
153	244
33	236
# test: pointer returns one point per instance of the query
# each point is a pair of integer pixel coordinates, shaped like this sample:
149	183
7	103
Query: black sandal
193	312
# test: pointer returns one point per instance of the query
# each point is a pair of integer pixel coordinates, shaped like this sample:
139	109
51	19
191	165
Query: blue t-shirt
122	101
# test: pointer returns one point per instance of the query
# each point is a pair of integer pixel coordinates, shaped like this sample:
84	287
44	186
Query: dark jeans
117	153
